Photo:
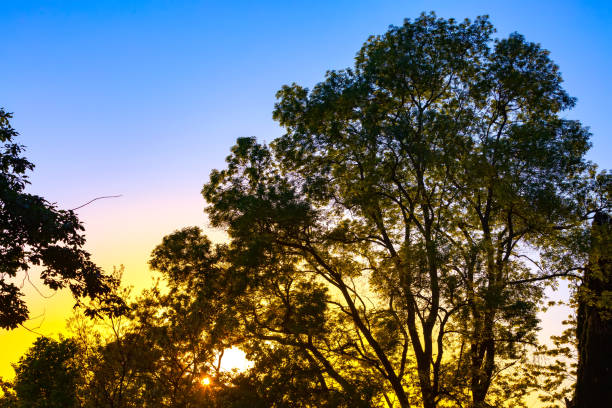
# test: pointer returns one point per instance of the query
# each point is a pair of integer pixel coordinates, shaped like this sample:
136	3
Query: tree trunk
594	326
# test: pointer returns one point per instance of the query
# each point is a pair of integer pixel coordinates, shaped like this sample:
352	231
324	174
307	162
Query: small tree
46	376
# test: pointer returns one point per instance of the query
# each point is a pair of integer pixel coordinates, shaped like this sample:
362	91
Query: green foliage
46	376
157	354
391	249
434	189
554	367
279	378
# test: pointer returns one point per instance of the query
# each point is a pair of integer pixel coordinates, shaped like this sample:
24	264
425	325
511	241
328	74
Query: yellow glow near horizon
206	381
234	359
120	231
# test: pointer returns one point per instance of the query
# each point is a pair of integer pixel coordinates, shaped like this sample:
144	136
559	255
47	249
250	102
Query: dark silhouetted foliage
34	232
46	376
401	232
390	249
594	320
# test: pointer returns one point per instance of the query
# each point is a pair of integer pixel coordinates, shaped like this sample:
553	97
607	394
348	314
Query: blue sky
116	95
144	98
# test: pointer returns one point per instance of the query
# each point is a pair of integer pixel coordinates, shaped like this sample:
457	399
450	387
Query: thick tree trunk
483	363
594	328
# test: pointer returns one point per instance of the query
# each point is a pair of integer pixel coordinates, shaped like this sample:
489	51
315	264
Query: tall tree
35	232
594	320
402	230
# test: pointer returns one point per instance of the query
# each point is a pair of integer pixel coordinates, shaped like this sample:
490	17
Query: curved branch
97	198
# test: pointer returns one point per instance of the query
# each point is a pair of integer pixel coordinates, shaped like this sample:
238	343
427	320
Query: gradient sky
144	98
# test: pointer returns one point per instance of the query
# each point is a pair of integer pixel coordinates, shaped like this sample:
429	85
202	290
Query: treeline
159	354
391	249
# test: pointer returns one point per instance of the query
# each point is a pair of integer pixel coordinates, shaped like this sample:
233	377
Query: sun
206	381
234	359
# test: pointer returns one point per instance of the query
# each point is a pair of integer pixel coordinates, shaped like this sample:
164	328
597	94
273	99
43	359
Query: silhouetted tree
594	320
157	354
401	232
8	399
280	378
35	232
46	376
391	249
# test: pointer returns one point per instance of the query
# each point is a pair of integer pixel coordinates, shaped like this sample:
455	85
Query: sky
145	98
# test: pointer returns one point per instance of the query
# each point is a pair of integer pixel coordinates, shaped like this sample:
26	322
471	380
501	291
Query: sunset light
321	204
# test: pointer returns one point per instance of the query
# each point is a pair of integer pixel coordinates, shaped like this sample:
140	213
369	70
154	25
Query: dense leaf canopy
400	233
46	376
390	249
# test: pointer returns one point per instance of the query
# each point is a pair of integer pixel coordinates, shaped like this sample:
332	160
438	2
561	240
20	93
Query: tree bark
594	325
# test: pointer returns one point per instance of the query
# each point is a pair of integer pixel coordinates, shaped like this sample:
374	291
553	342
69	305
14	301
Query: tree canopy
390	249
34	232
46	377
400	234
